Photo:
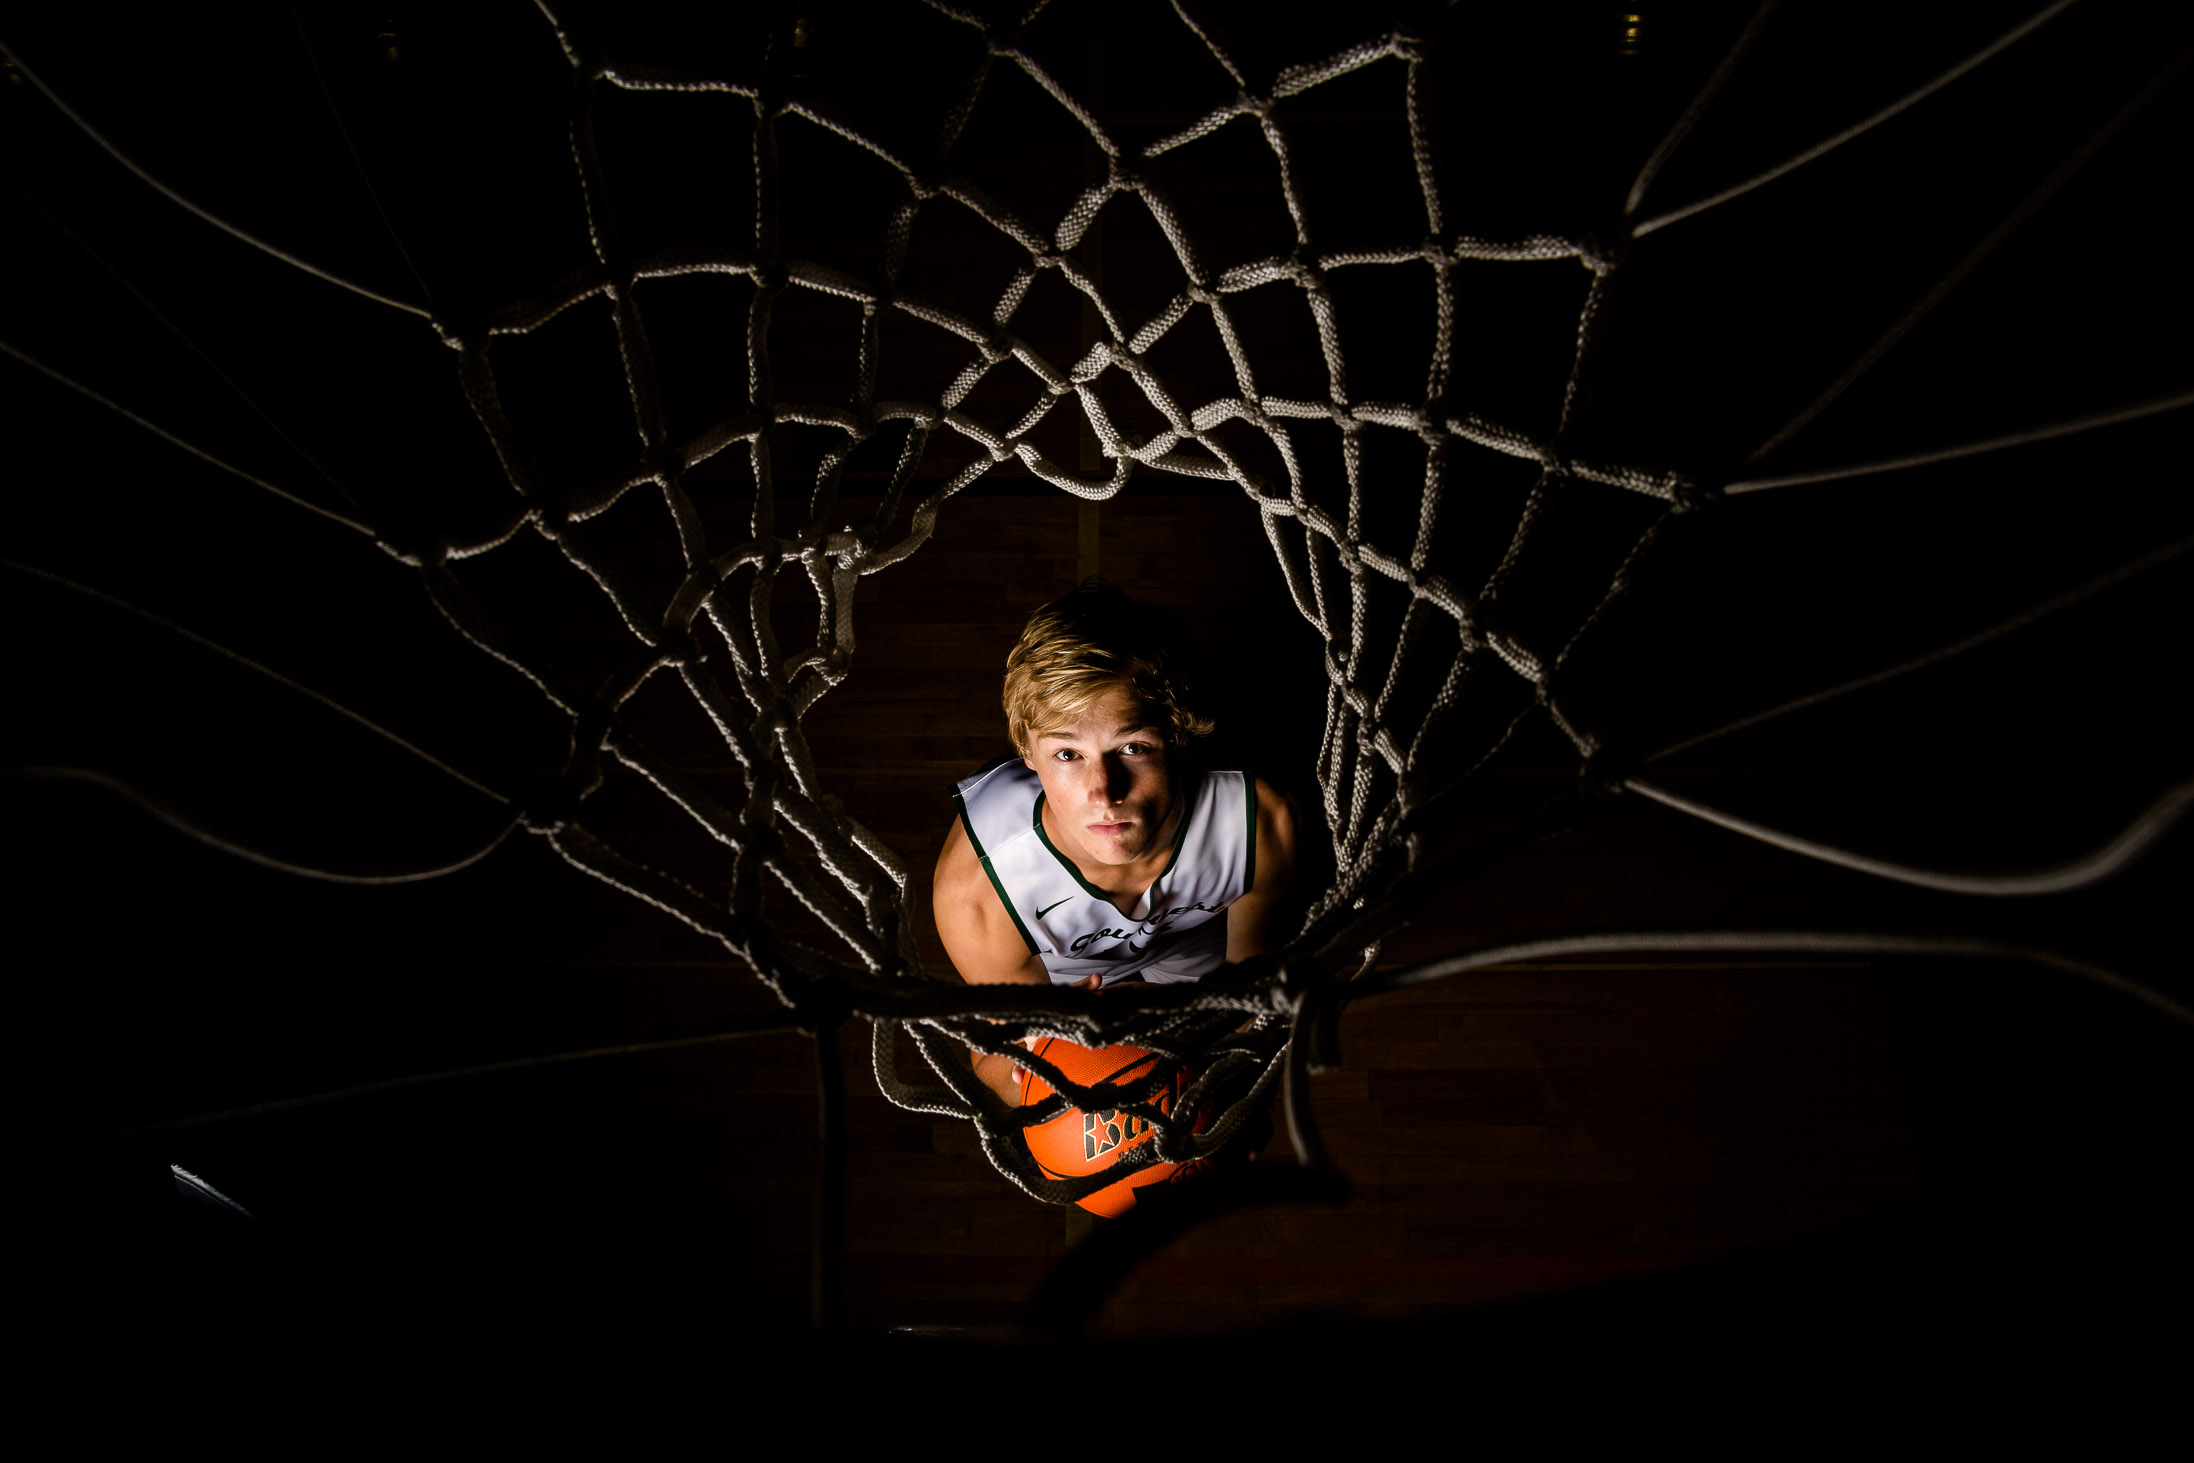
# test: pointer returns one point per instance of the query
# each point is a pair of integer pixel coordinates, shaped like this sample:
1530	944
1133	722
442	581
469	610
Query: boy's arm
985	945
1253	920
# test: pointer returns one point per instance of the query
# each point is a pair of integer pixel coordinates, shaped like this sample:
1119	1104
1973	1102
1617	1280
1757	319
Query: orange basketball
1077	1143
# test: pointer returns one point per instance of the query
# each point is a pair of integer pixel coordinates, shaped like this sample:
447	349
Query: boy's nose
1110	783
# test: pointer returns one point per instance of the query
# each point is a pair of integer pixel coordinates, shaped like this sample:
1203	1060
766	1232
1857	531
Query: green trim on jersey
991	874
1249	865
1180	832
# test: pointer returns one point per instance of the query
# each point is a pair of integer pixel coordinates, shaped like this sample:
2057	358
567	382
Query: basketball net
1404	644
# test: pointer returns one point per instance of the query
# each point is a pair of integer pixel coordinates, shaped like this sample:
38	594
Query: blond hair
1089	642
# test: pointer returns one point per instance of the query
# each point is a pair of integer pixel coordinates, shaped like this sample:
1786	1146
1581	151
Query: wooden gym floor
1515	1133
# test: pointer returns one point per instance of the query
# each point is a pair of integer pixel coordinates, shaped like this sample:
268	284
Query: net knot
776	719
676	647
549	811
1296	980
421	552
1689	496
464	334
666	461
1598	255
1519	659
1605	771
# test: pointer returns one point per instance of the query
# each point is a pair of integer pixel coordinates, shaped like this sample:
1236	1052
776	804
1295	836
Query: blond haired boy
1103	853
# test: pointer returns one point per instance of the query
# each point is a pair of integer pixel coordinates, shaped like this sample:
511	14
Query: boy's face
1107	780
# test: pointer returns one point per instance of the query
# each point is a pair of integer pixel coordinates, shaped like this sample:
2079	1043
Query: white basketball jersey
1177	930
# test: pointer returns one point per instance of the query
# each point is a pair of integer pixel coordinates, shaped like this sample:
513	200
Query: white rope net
1420	658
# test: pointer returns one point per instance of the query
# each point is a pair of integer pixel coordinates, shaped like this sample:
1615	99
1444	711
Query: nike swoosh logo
1050	907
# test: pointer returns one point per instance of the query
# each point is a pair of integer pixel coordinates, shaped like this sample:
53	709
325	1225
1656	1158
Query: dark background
1826	1148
